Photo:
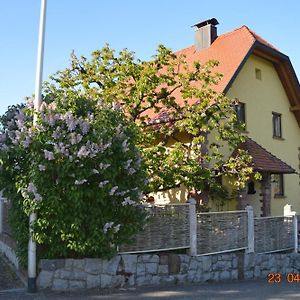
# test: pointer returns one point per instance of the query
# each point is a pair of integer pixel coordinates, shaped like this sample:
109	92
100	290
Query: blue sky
86	25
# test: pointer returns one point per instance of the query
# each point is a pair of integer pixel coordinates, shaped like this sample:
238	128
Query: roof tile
263	160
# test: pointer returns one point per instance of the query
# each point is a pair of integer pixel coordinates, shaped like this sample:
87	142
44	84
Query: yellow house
265	84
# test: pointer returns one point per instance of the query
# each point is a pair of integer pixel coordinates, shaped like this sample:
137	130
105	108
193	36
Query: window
278	185
240	113
276	125
258	74
251	188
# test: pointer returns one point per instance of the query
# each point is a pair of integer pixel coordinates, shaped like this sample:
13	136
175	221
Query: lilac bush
79	169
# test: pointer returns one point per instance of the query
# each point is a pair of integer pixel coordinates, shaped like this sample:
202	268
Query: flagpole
31	288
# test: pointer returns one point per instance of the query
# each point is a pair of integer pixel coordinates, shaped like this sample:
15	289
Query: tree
164	97
79	169
174	122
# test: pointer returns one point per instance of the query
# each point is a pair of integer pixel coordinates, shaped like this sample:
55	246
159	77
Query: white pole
37	103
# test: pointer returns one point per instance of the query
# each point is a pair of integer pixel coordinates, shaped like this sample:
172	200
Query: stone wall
139	270
258	266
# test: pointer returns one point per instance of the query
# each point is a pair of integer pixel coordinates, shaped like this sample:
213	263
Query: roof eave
284	69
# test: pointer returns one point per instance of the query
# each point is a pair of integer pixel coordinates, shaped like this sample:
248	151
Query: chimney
205	33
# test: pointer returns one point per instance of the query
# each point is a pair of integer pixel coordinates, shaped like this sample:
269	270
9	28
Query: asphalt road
246	290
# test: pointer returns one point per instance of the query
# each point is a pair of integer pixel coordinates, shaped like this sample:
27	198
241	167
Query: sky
139	25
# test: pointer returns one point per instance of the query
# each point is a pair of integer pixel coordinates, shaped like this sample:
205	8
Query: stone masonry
152	269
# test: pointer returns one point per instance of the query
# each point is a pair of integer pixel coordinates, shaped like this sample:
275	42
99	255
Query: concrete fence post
295	232
287	212
193	226
250	223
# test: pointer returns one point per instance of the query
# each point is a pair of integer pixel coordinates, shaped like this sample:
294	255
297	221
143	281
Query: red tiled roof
230	49
263	160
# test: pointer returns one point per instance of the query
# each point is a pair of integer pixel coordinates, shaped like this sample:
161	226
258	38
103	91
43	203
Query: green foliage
166	107
159	97
79	169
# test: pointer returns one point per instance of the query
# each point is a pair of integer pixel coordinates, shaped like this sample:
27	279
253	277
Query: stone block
155	280
198	276
117	281
60	285
51	264
206	276
79	264
184	267
150	258
257	272
163	269
221	265
235	274
225	257
249	260
168	279
110	267
93	266
56	274
129	263
105	281
143	280
64	274
79	275
77	285
193	263
191	275
264	274
234	262
248	275
216	276
45	279
93	281
174	264
181	278
206	263
131	280
163	259
215	258
69	264
140	269
151	268
225	275
184	258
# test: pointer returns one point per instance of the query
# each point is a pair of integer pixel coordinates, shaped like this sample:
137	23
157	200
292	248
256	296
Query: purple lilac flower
107	226
48	155
42	168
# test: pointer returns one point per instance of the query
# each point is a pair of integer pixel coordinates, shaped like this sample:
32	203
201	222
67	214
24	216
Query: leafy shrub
79	170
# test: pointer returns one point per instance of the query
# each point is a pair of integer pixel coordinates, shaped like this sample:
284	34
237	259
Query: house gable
284	69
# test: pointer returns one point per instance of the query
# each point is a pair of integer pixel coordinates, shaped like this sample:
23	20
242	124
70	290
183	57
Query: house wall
262	97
